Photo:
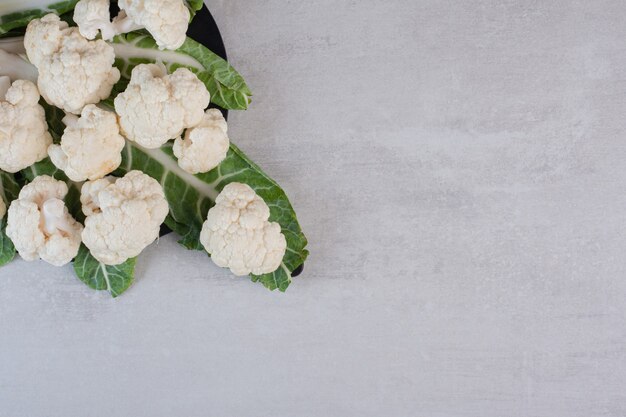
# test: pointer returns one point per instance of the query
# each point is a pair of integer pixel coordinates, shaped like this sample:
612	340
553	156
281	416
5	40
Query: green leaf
7	250
54	117
115	279
17	13
9	189
44	167
191	196
194	6
227	87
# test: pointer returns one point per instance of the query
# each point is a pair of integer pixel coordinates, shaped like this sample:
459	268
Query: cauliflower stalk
238	235
205	146
24	137
166	20
157	106
15	67
124	216
91	145
40	225
73	71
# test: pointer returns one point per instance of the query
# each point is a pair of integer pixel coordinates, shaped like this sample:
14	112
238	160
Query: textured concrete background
459	169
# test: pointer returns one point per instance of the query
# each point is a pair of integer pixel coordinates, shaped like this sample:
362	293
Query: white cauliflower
205	146
123	216
91	145
73	71
39	224
238	235
157	107
93	16
24	137
166	20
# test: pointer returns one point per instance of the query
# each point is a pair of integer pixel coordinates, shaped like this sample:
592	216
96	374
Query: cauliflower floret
157	107
166	20
91	145
24	137
92	16
123	216
90	192
205	146
39	224
73	71
239	236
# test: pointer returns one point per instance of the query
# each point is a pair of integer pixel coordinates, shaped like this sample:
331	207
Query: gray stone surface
459	170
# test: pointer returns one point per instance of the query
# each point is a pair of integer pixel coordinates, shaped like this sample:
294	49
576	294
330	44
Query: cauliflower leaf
18	13
9	189
191	196
195	5
227	87
112	278
7	250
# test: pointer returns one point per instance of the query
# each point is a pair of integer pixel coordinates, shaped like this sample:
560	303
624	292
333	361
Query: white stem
16	68
108	30
53	216
70	120
5	84
13	45
127	51
124	24
170	165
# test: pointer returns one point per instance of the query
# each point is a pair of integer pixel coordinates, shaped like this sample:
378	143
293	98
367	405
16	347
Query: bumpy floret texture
91	145
24	137
157	107
124	216
205	146
73	71
238	235
166	20
39	224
